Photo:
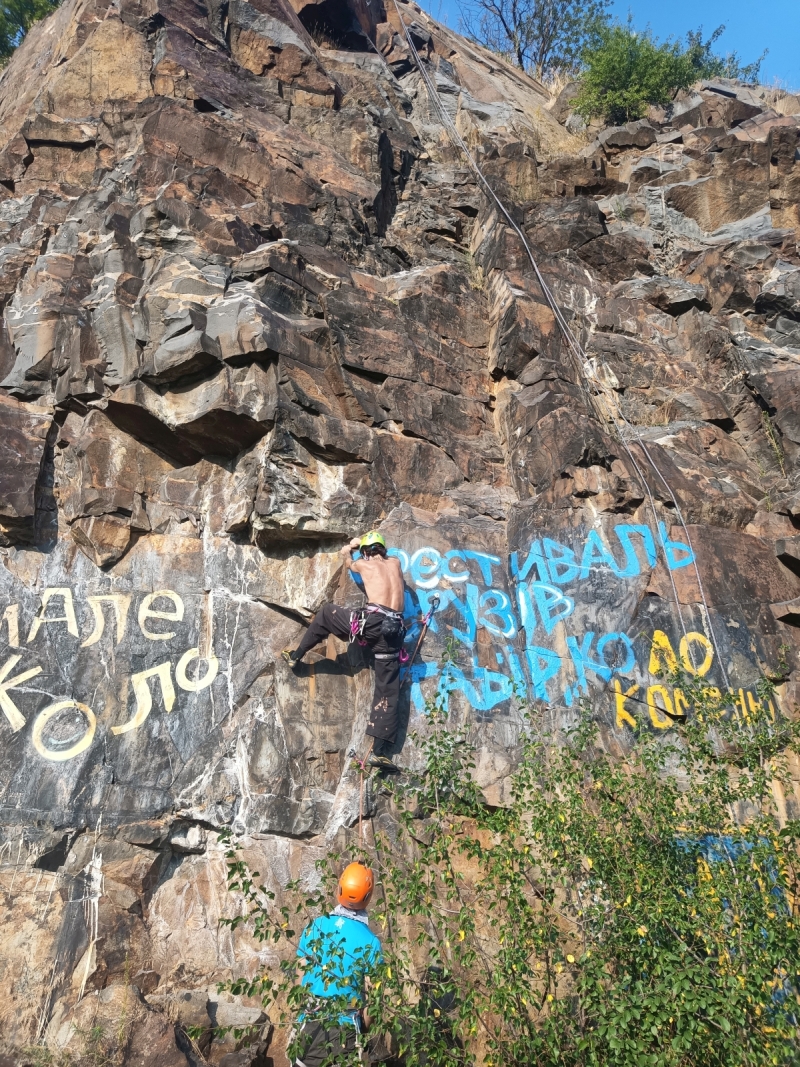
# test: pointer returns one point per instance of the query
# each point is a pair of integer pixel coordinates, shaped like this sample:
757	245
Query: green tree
16	18
709	65
539	36
625	72
620	910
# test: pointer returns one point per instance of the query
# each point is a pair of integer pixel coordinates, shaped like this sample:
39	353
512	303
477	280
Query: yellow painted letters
13	714
144	699
68	617
681	705
658	719
120	602
11	616
662	654
686	655
146	612
199	683
623	715
45	716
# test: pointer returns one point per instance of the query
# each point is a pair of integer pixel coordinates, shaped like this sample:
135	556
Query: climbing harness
391	628
583	364
357	622
316	1008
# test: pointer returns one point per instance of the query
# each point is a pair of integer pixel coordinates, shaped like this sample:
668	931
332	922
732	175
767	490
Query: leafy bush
627	909
709	65
16	18
626	72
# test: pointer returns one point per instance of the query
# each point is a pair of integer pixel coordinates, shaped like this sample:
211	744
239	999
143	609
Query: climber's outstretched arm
347	552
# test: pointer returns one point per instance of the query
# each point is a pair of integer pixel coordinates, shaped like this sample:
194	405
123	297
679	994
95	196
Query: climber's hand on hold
347	552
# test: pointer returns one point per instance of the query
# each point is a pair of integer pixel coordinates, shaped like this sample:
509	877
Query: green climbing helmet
372	538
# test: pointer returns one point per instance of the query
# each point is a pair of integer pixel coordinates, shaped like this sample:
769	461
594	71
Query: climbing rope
583	363
361	764
409	660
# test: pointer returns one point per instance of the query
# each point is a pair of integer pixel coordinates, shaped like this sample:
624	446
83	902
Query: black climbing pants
326	1046
332	619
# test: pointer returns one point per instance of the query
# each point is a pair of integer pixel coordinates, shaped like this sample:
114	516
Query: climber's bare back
383	580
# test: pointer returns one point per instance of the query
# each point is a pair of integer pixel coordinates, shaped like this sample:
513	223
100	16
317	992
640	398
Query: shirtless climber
379	625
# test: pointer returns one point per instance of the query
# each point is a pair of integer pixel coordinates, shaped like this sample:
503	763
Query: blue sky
750	28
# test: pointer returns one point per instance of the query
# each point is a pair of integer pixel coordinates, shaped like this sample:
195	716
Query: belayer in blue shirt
339	951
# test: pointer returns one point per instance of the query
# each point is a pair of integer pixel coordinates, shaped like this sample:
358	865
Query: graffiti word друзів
545	586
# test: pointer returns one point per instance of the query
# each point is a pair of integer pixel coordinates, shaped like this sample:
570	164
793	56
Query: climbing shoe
290	656
382	763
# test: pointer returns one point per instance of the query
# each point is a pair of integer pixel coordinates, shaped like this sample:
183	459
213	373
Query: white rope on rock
582	362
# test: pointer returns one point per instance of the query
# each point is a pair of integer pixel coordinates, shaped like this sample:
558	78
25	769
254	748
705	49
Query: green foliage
97	1050
16	18
540	36
272	924
627	909
709	65
774	440
626	72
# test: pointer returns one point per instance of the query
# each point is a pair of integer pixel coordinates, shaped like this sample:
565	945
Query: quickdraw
358	620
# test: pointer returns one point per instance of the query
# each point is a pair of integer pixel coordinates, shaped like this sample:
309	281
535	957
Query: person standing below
338	952
379	625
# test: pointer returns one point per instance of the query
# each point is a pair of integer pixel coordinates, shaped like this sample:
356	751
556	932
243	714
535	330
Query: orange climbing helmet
355	886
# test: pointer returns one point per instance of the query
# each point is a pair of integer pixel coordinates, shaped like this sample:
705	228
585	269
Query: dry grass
781	96
556	80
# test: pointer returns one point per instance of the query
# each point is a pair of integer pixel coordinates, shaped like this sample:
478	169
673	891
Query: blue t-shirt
340	952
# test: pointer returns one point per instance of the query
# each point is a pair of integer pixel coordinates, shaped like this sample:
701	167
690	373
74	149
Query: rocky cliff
254	302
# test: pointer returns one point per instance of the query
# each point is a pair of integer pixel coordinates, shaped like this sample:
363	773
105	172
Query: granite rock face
254	302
